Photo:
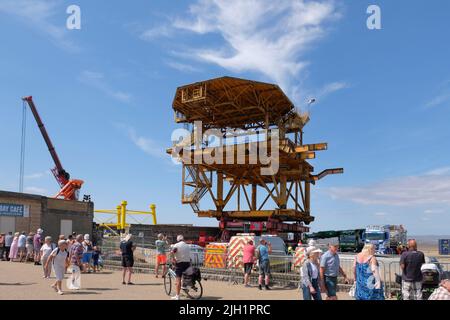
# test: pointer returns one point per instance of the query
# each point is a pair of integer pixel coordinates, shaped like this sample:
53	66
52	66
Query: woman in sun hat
310	274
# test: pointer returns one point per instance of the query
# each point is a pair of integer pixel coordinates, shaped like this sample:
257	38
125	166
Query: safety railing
222	266
394	273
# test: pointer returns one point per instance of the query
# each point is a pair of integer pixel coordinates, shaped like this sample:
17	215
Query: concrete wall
47	213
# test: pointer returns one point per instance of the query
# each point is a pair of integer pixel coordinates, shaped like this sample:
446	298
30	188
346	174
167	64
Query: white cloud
439	171
263	36
35	190
433	211
438	100
442	96
330	88
147	145
301	96
402	191
97	80
380	214
183	67
37	175
38	15
155	32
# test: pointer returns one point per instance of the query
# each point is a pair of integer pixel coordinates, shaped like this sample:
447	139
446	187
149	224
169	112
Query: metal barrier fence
230	268
394	270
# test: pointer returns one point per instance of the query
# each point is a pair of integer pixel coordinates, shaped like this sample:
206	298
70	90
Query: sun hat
180	238
310	250
127	237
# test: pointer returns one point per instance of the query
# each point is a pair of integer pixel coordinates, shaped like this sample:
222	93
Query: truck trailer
386	238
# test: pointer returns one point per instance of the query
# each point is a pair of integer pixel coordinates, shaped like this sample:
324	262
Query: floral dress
366	283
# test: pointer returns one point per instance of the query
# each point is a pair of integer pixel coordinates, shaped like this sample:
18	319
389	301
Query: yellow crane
121	212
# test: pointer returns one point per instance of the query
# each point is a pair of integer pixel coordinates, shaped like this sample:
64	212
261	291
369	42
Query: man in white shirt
182	258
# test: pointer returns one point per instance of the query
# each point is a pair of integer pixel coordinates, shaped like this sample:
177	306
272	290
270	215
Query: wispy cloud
145	144
263	36
156	32
97	80
426	189
442	96
183	67
330	88
38	14
36	190
36	175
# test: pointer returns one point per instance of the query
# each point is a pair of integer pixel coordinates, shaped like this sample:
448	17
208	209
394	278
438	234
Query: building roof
229	102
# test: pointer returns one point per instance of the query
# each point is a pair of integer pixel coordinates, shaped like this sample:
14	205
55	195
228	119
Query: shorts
248	267
264	268
37	249
30	249
161	259
86	258
331	286
127	262
181	267
22	250
95	262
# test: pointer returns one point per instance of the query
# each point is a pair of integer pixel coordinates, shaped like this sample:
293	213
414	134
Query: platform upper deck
229	102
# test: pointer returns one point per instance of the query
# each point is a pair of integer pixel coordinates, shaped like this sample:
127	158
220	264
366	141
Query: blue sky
105	93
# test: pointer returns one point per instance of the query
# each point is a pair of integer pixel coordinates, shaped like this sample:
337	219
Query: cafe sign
14	210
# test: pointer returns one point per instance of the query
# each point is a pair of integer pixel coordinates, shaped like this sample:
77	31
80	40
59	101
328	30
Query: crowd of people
76	254
73	253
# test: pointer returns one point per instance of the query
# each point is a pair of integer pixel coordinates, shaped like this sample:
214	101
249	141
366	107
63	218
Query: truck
386	238
349	240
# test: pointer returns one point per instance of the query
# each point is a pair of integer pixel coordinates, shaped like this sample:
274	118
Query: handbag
352	290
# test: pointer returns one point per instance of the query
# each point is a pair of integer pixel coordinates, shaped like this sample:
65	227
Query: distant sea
428	240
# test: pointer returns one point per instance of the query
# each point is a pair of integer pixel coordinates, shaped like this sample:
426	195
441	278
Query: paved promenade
24	281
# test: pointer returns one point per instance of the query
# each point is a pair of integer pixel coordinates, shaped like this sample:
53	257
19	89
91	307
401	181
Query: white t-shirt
60	258
183	252
314	271
46	250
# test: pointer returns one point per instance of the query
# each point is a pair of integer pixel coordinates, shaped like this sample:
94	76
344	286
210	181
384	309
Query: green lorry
349	240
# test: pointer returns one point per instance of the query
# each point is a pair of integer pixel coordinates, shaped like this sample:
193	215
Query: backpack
191	275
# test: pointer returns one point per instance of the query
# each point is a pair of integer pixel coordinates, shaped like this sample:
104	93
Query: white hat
40	230
86	237
127	237
180	237
310	250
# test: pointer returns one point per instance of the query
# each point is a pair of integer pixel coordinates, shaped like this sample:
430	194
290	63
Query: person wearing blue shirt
329	270
263	251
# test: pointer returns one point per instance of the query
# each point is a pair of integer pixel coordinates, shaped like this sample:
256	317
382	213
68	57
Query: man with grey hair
330	268
161	258
181	253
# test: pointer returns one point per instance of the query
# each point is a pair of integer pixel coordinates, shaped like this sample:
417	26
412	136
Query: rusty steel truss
238	191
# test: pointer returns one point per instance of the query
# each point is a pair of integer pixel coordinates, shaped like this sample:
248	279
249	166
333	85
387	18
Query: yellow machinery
122	212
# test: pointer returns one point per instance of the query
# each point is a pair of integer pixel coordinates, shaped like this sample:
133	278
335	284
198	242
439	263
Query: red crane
69	188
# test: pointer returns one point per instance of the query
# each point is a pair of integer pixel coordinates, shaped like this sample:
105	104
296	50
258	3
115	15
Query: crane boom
68	187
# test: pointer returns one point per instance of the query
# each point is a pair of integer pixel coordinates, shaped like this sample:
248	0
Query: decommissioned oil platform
244	147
